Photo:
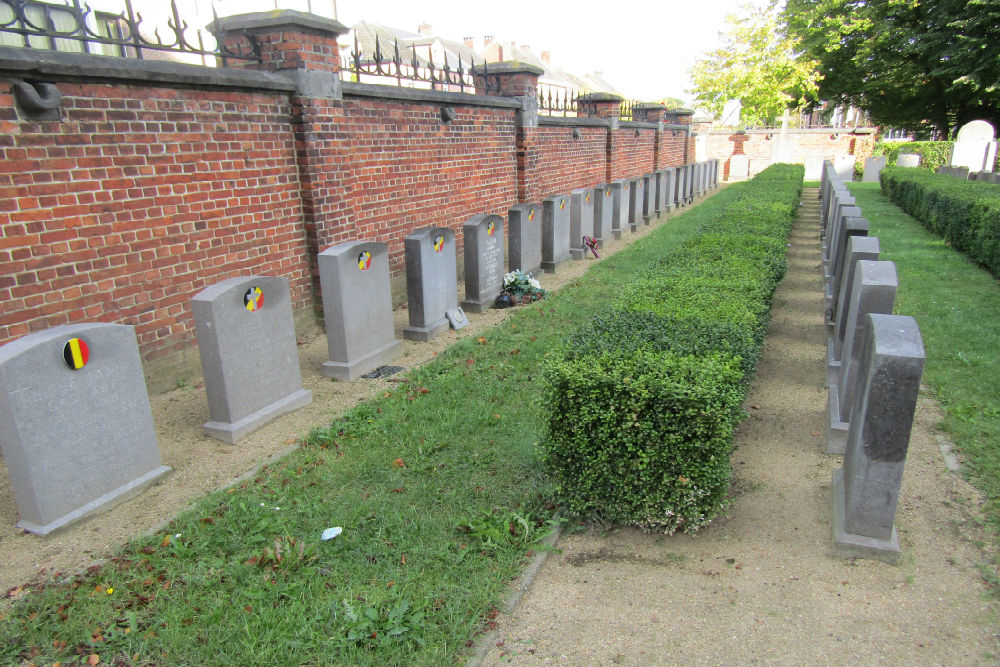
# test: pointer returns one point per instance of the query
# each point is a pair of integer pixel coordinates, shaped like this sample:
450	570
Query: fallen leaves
481	340
399	463
93	659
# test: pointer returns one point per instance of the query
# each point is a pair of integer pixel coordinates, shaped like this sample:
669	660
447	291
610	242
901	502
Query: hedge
643	401
965	213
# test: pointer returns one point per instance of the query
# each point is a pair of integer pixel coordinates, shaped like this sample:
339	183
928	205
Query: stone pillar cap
277	19
649	105
600	97
511	67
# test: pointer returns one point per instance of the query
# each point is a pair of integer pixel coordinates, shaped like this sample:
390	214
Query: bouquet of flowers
521	287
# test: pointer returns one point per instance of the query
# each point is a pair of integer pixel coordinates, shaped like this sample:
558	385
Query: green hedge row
965	213
642	403
933	154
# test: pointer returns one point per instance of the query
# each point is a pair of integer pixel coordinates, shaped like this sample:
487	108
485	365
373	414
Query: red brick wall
139	198
633	152
407	170
805	144
568	163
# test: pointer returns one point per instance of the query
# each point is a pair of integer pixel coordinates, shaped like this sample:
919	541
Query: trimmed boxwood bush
643	401
965	213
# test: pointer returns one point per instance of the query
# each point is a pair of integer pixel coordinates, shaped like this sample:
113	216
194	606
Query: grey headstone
555	232
75	440
649	201
661	190
524	237
873	168
484	267
908	160
857	249
249	356
669	188
581	220
680	173
814	168
843	165
689	183
431	283
866	488
357	309
636	201
873	291
620	191
739	167
851	225
604	210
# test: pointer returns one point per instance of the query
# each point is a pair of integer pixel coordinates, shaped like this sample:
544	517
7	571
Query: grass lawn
436	484
957	305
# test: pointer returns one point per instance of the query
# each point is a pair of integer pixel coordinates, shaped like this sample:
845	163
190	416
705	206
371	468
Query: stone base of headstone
473	306
617	233
425	334
634	227
105	502
233	432
577	253
832	362
836	430
858	546
346	372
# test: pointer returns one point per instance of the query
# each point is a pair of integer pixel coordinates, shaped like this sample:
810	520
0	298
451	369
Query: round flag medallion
438	243
562	204
254	299
490	228
76	353
531	215
364	260
588	198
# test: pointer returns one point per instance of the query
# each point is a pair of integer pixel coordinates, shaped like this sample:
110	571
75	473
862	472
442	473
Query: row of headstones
76	426
874	363
963	173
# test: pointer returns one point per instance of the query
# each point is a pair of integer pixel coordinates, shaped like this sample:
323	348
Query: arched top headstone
976	130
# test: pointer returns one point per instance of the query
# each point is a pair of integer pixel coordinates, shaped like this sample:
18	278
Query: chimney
425	29
545	57
469	42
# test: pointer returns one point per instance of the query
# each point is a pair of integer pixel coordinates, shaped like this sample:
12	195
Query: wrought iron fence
75	27
406	66
557	101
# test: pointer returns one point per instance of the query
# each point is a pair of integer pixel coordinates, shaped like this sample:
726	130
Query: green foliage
643	402
933	154
966	213
758	66
912	64
374	627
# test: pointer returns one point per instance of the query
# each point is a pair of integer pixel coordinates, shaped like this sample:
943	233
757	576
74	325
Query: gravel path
759	586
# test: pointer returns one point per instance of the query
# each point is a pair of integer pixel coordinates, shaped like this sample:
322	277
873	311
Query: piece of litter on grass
331	533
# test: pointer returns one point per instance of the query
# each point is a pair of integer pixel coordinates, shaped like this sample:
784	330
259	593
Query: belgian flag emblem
490	228
587	199
76	353
254	299
531	215
438	243
562	204
607	193
626	186
364	260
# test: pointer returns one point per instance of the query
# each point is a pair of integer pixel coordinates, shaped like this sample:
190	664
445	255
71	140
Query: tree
916	64
757	65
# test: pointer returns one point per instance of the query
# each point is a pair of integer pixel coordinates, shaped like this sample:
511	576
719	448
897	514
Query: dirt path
202	464
760	586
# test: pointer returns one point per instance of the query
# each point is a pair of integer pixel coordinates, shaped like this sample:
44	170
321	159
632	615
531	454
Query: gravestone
660	178
681	178
669	188
843	166
524	237
249	356
907	160
739	168
357	309
604	210
75	424
873	168
814	168
581	220
857	249
431	283
649	201
866	488
689	184
484	267
636	201
873	290
851	225
620	191
555	232
974	147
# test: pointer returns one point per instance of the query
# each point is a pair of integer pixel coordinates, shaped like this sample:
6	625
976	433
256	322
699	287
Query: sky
644	48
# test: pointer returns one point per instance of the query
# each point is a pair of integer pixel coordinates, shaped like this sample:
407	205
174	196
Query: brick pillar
599	105
520	82
303	47
653	113
683	117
